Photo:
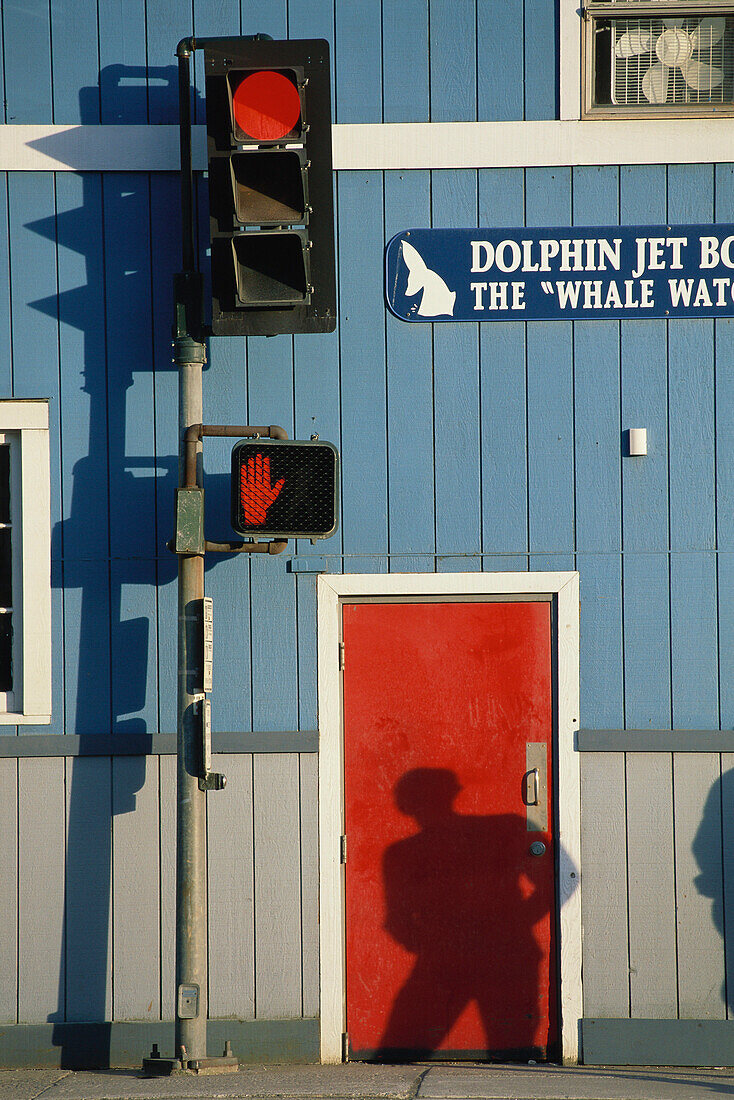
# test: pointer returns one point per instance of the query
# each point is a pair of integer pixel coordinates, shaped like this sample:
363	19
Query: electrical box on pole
271	207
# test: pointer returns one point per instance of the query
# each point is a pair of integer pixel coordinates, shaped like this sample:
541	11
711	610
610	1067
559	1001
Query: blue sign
577	273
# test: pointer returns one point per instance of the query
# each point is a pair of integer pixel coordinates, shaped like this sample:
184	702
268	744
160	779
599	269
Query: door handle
532	787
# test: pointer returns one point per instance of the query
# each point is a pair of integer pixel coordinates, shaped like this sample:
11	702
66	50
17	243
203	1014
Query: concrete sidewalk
366	1082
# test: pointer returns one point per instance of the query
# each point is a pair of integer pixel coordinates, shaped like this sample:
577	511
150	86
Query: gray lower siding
658	885
87	909
657	898
88	901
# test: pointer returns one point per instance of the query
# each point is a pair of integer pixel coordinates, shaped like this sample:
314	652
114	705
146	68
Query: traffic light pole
194	778
190	1053
191	924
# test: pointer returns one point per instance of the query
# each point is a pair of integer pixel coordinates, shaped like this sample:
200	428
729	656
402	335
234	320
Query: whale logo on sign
437	300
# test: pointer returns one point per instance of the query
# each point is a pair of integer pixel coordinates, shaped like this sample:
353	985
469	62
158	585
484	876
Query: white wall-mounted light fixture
637	438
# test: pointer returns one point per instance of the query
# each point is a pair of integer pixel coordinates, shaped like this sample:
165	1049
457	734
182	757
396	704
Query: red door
449	914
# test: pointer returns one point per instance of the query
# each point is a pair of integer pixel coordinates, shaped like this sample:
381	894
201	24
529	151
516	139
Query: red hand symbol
256	492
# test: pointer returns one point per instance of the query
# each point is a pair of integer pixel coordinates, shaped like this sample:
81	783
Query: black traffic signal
285	488
271	206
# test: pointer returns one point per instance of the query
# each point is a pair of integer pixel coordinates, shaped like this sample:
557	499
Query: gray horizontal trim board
164	744
655	741
120	1045
658	1042
151	744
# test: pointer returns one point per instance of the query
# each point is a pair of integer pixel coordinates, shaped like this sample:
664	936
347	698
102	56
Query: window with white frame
25	563
658	58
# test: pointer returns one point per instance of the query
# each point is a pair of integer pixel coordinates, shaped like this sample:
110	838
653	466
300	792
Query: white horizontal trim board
390	145
333	590
95	148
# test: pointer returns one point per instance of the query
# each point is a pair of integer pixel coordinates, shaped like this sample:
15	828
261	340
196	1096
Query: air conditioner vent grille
672	61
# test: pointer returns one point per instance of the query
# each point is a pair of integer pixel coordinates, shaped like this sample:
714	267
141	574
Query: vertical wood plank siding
496	446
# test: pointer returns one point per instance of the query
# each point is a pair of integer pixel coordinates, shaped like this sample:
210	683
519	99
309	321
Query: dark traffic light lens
270	268
269	187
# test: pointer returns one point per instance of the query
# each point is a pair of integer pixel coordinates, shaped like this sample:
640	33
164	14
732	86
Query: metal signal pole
189	356
319	464
190	1054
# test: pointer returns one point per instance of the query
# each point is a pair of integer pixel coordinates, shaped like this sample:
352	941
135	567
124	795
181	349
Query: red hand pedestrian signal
284	488
256	491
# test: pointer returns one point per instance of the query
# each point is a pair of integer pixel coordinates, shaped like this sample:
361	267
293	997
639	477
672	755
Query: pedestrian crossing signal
284	488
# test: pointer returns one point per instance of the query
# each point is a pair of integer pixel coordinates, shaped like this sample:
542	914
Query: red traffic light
271	213
266	106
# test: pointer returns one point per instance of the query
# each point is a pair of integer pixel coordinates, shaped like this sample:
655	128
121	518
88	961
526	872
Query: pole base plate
163	1067
155	1066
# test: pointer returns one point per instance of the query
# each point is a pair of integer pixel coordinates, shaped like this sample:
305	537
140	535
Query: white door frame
333	590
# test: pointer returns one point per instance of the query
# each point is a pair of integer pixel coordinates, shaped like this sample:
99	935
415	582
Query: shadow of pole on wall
109	550
119	244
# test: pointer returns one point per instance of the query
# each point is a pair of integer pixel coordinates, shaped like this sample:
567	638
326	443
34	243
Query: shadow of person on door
463	896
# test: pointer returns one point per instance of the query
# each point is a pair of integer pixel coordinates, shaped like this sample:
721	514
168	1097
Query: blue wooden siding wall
464	447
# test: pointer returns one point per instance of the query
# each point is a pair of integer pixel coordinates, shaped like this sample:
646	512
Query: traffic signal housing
271	206
285	488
